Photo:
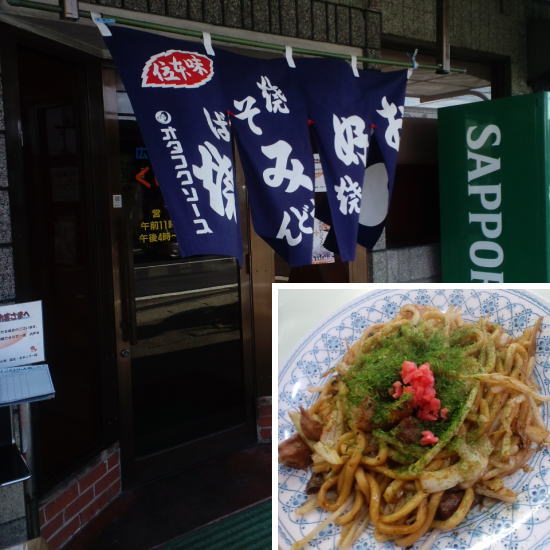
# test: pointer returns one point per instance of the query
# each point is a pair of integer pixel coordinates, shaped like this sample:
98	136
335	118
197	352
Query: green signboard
494	162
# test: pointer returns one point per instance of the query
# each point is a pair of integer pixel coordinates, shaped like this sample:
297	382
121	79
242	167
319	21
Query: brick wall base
72	505
264	419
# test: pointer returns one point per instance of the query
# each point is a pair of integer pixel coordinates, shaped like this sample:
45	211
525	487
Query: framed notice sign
21	334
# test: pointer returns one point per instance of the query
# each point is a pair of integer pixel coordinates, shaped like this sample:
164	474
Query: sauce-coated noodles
423	417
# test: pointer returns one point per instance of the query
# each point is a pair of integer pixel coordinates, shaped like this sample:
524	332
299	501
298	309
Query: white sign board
21	334
320	185
320	255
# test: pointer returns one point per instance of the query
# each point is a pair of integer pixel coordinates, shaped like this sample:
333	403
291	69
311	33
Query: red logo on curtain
177	69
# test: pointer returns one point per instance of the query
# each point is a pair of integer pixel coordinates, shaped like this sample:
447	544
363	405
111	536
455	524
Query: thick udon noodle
361	484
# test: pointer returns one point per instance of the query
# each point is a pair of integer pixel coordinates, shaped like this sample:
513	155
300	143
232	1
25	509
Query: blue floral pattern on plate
522	526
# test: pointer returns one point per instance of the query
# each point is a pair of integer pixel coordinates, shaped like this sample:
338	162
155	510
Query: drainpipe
442	38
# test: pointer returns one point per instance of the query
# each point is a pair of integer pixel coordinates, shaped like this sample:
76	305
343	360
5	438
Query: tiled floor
155	513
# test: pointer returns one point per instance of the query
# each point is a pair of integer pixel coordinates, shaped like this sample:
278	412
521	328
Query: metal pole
223	38
31	504
442	37
69	9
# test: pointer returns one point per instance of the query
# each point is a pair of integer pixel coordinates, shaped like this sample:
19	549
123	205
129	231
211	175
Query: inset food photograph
415	418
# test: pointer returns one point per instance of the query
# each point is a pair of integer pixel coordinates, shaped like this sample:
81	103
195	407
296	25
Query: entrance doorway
145	347
60	253
186	377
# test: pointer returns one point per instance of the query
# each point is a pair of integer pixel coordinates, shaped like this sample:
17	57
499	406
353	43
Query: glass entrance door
191	388
187	358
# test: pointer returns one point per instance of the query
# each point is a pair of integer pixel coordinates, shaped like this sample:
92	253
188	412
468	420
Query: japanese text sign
270	124
21	334
179	103
190	105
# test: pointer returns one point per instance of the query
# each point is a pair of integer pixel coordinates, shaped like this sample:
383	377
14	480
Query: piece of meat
363	414
408	430
449	503
314	483
312	428
394	414
399	412
294	453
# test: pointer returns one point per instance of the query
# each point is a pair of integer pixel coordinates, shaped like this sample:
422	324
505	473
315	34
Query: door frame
136	470
93	161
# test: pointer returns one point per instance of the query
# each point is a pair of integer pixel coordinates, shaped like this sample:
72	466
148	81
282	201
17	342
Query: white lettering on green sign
488	253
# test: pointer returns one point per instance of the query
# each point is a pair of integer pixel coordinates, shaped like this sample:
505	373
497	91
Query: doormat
250	528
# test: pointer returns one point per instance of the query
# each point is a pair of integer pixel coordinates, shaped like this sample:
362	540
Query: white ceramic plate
521	526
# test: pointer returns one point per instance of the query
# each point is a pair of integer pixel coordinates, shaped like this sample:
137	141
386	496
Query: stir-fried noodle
423	417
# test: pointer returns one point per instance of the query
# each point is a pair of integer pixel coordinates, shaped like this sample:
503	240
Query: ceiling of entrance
427	85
